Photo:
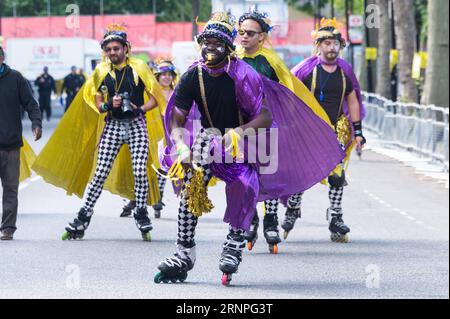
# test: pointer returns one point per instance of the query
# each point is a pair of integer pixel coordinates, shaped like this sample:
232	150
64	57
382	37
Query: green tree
167	10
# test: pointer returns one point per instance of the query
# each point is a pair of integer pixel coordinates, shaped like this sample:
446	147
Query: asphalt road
399	245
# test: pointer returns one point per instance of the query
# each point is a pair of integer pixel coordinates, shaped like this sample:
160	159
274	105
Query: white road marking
397	210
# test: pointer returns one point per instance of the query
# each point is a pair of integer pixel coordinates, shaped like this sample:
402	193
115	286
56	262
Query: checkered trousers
187	222
117	133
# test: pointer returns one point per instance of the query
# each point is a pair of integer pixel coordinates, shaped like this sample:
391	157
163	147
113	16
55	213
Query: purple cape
307	148
304	69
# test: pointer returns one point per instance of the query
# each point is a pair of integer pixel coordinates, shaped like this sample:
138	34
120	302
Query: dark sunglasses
251	34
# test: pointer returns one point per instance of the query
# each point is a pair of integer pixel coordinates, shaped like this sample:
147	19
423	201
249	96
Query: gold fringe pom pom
197	195
343	130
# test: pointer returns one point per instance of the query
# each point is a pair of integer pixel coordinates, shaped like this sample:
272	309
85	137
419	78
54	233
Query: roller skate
252	235
143	223
158	207
271	232
231	256
76	229
339	231
128	209
176	268
291	216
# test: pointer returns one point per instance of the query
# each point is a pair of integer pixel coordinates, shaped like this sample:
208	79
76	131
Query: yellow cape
290	81
27	158
68	159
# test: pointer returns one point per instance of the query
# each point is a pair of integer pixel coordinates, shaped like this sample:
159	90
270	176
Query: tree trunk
384	47
437	75
406	32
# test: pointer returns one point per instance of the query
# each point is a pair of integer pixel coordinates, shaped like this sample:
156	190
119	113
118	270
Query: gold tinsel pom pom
343	130
197	195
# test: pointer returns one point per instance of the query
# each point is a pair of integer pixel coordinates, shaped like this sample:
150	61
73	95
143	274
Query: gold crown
223	18
326	23
116	27
163	59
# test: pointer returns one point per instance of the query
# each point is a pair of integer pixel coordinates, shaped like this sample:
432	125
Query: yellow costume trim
27	158
234	147
68	159
289	80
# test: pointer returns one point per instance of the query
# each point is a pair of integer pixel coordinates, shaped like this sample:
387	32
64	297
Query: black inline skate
143	223
252	235
271	232
75	230
231	256
291	216
158	207
176	268
339	231
128	209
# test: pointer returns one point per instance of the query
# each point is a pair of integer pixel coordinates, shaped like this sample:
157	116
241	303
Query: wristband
139	111
182	149
357	127
105	107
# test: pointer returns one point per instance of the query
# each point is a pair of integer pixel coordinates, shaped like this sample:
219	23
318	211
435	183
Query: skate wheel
339	238
286	234
183	277
250	246
226	279
65	236
157	214
158	278
273	249
147	236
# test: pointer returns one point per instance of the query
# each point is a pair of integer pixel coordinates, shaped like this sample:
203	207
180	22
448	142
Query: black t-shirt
262	66
220	97
332	90
136	93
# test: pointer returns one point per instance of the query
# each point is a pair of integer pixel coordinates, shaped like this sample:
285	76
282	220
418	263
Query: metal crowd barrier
417	128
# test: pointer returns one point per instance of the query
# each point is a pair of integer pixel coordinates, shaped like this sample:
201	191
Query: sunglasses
251	34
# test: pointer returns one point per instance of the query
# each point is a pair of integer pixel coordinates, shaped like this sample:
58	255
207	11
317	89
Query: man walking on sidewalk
16	93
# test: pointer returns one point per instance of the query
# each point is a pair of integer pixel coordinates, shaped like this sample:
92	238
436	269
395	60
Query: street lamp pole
93	19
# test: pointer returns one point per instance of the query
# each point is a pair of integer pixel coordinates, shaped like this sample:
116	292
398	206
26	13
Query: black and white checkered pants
187	222
335	195
117	133
271	206
161	182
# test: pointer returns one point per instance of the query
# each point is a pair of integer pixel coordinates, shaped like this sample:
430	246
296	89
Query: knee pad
337	181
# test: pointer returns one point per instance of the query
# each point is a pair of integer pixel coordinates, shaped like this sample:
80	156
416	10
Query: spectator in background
72	84
15	93
45	84
83	76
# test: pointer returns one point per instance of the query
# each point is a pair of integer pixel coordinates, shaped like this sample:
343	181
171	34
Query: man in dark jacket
15	93
72	84
45	84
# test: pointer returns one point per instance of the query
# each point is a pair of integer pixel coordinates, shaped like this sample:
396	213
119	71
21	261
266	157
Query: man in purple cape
254	31
229	99
336	87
